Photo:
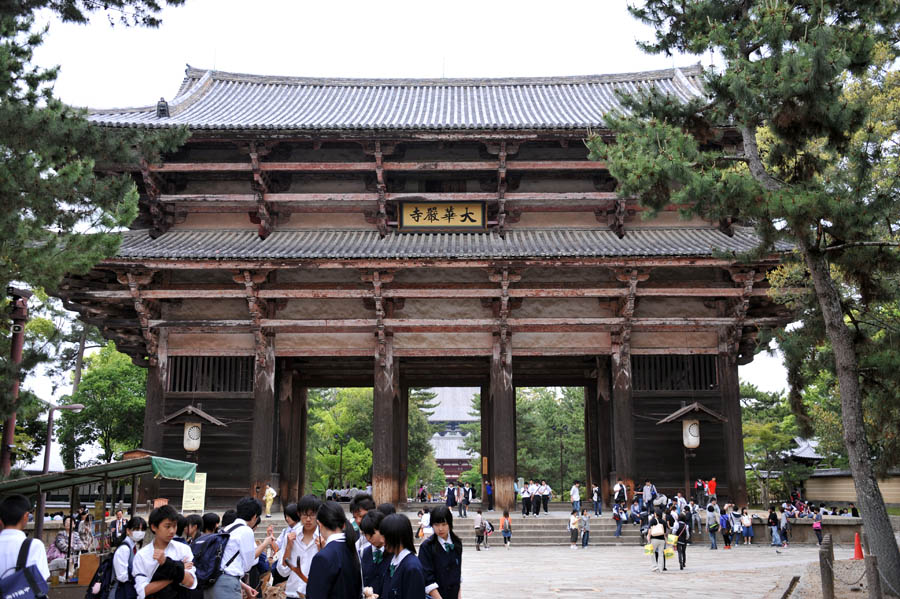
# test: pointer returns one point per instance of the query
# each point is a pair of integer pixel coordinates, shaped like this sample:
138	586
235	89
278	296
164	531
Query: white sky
104	67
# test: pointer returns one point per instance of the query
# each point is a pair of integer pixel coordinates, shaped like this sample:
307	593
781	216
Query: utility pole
19	318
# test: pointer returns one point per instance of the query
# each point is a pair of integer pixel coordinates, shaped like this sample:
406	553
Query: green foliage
538	410
49	188
113	394
812	89
349	411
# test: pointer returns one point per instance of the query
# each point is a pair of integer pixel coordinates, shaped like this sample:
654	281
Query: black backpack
26	582
208	551
102	577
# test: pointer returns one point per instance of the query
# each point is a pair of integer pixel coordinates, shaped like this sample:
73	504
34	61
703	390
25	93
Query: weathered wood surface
385	454
730	388
261	441
503	403
154	411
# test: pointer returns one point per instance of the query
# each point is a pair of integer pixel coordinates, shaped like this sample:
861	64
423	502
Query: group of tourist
347	493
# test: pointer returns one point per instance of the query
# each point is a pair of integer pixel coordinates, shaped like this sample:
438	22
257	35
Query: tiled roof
518	243
218	100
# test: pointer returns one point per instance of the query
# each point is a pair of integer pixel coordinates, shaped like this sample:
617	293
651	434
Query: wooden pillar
301	408
403	446
263	418
291	435
154	411
385	458
592	453
623	410
729	386
503	407
487	443
604	420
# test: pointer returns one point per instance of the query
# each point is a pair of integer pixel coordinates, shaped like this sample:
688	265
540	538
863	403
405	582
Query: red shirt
712	487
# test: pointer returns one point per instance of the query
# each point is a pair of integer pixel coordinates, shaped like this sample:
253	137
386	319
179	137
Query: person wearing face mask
128	543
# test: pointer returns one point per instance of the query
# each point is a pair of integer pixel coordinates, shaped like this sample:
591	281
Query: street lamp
42	498
561	431
342	440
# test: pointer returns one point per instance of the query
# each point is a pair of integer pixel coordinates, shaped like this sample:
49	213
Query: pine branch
754	162
841	246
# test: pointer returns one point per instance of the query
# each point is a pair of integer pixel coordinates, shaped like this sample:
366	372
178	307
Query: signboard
194	496
453	216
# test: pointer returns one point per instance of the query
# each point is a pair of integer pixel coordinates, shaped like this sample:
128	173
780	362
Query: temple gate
416	233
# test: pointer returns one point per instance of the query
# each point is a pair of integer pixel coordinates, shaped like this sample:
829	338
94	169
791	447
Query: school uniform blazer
443	568
408	581
333	575
374	575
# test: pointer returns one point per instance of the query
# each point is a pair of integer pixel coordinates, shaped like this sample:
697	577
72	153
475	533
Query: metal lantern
192	435
690	433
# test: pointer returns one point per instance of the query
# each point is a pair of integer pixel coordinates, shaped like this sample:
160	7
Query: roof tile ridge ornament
607	78
191	95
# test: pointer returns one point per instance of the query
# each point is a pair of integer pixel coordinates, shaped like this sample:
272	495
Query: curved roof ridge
193	74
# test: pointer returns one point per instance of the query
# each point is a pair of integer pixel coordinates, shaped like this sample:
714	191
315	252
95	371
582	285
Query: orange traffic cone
857	548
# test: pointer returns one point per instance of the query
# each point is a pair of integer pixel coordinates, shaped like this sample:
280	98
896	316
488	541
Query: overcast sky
105	67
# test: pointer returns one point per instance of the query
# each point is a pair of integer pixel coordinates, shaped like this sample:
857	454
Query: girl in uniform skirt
441	557
406	578
335	572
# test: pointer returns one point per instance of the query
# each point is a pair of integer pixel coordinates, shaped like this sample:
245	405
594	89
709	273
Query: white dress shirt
395	561
241	541
575	493
301	557
120	559
10	543
145	566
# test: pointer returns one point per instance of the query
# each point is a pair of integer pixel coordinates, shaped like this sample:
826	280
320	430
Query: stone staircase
550	530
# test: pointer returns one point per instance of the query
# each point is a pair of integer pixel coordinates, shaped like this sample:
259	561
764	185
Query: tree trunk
79	361
875	517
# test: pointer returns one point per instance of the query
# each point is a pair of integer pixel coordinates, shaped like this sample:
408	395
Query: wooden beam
450	291
390	166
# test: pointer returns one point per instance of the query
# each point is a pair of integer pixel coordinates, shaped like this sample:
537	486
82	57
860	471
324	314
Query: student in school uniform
127	542
334	572
300	545
360	505
14	511
406	577
441	557
240	554
165	566
375	559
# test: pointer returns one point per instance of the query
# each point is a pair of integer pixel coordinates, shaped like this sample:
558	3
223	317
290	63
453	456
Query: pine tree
50	189
806	165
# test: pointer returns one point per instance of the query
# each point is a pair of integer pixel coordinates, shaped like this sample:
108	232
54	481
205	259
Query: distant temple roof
223	101
454	404
518	243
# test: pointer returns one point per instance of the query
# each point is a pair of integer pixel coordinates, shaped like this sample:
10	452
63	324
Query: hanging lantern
192	436
690	433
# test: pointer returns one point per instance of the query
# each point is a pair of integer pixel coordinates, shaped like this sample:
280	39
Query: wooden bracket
381	189
258	309
746	278
501	189
145	309
626	309
264	215
154	185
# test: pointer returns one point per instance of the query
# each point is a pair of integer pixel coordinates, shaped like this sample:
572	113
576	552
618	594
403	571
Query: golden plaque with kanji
417	216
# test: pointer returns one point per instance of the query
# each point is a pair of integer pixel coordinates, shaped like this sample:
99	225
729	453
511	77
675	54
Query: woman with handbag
817	524
656	536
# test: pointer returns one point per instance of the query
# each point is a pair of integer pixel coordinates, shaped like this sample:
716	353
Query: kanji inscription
442	215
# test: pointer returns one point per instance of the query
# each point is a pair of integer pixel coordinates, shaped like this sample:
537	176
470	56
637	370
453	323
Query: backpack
25	582
208	551
488	527
101	583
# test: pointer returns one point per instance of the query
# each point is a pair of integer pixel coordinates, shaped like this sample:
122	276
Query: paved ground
538	572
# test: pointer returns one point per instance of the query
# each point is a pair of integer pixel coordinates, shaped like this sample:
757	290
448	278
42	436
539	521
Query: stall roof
159	467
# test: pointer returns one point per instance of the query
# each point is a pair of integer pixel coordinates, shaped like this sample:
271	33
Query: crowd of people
319	554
